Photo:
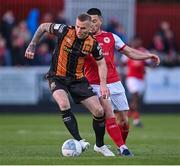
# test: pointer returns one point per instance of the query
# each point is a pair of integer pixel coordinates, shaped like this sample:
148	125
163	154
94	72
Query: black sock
71	123
99	128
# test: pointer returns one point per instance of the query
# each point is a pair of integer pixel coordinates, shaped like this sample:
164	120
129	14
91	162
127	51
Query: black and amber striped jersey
70	52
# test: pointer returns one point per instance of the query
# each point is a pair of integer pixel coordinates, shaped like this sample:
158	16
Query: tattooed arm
45	27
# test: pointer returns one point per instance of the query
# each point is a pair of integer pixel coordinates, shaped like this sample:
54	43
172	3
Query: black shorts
79	89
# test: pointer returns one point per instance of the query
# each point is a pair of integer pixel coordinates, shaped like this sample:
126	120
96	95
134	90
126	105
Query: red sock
114	131
124	131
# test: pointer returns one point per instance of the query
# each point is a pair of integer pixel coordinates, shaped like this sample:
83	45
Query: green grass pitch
36	139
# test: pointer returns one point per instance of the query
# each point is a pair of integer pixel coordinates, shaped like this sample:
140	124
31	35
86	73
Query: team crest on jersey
86	49
107	40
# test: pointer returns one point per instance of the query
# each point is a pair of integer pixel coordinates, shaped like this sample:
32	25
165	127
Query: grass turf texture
37	138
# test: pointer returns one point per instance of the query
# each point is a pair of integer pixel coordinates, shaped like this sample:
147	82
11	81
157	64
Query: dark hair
84	17
94	11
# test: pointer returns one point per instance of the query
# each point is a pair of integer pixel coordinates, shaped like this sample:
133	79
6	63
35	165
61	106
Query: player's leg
61	97
135	87
110	122
119	102
134	106
122	121
59	92
94	106
120	107
82	93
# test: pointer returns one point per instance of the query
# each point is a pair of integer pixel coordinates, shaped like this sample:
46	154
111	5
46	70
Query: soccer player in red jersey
118	101
135	81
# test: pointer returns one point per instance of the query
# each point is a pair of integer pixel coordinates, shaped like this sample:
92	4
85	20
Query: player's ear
101	19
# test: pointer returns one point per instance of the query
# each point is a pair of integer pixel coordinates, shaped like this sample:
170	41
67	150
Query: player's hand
30	51
155	59
104	91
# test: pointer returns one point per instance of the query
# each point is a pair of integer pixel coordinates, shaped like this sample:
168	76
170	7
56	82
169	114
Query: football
71	148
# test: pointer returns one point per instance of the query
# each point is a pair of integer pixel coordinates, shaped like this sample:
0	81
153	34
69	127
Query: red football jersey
136	68
108	43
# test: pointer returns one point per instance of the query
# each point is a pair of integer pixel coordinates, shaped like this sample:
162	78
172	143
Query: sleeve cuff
122	48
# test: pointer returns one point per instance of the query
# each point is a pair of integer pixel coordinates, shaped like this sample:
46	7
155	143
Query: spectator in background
157	44
33	20
5	57
170	59
49	39
47	17
117	28
60	19
20	38
43	55
7	24
167	37
164	44
23	32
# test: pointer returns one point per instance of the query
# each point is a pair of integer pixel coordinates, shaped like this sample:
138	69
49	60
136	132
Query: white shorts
135	85
118	98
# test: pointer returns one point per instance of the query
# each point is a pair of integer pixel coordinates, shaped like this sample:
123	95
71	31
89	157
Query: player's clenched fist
30	51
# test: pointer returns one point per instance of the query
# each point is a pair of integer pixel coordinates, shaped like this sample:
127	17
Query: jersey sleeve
97	51
119	44
58	29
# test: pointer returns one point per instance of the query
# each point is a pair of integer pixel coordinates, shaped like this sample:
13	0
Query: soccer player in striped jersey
66	73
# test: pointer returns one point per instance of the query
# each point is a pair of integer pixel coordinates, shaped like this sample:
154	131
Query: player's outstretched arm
30	51
138	55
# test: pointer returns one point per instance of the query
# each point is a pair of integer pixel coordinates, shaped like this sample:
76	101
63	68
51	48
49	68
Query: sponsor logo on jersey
87	49
67	49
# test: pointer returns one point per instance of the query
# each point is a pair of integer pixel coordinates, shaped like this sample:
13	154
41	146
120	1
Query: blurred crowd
163	42
15	37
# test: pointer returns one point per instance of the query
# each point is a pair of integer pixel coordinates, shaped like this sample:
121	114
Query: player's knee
109	115
122	119
63	105
123	122
99	112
